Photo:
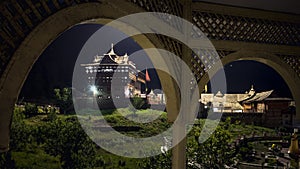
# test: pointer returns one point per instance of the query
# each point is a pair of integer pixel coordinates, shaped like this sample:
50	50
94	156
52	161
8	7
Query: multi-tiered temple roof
112	58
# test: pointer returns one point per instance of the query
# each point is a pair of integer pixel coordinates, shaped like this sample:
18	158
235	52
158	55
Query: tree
30	110
5	161
66	138
215	152
51	116
162	161
137	103
64	100
20	132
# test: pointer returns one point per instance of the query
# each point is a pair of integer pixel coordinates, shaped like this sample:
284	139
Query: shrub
36	160
68	140
30	110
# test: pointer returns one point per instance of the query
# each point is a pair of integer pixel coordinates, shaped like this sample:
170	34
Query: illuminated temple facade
250	107
251	101
113	76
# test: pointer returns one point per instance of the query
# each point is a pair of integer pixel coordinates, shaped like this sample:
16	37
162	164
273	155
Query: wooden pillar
179	151
6	111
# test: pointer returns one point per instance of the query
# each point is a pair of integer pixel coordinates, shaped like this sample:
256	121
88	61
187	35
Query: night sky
55	66
240	75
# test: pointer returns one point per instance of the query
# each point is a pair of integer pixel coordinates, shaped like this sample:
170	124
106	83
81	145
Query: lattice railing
173	7
237	28
293	61
203	60
19	17
171	45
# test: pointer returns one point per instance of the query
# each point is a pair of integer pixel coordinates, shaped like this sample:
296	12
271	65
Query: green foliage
6	161
36	160
2	159
137	103
215	152
162	161
20	132
60	142
52	116
30	110
64	100
245	151
68	140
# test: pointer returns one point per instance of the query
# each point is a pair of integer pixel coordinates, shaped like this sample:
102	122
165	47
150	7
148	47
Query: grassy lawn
149	123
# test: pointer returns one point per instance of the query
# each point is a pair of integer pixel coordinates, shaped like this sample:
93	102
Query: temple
250	107
250	101
114	76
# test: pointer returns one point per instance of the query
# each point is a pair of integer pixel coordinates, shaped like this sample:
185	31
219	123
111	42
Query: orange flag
147	76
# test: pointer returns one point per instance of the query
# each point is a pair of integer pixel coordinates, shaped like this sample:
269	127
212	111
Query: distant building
156	99
116	76
251	101
113	77
267	111
280	111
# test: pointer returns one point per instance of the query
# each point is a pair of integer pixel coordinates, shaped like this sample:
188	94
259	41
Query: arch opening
38	40
282	81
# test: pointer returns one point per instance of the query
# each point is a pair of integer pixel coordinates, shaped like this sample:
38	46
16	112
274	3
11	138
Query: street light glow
94	89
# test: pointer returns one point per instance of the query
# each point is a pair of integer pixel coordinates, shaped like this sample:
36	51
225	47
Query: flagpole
147	79
146	82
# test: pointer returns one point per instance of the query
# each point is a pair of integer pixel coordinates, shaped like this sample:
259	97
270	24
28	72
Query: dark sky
55	66
240	75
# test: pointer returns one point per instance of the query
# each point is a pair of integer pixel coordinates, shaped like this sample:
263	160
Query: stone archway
37	41
283	69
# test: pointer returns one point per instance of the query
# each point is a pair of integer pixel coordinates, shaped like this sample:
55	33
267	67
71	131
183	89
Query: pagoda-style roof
248	97
257	97
111	58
